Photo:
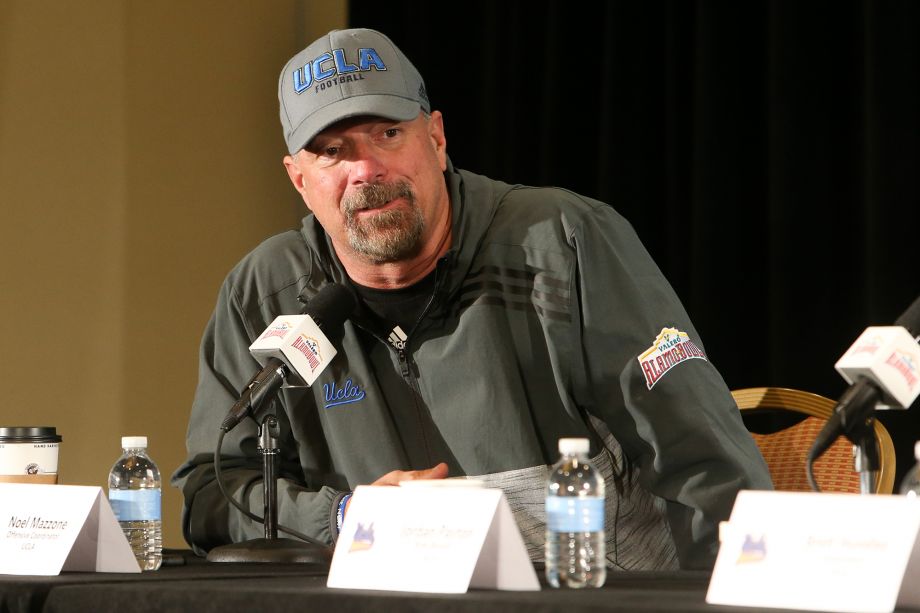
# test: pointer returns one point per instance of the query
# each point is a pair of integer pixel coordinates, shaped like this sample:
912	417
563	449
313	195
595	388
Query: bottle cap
571	446
134	442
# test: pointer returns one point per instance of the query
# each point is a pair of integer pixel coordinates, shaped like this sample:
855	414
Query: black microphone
881	366
332	306
910	319
294	350
268	379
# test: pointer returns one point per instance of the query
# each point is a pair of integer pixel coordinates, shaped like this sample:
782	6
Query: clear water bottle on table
134	493
575	546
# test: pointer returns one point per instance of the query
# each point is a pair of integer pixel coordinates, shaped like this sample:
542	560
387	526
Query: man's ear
294	173
438	138
296	177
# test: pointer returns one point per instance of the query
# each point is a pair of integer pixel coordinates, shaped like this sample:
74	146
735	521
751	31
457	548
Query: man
493	319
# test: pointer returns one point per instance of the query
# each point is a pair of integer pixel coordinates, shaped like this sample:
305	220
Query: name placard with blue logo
455	537
819	552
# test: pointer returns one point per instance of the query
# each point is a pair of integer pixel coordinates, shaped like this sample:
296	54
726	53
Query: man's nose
367	166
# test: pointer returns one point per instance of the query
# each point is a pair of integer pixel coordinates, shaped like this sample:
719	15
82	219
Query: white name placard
819	552
437	539
50	528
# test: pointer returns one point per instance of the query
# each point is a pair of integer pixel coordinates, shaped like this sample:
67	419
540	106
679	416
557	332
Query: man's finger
435	472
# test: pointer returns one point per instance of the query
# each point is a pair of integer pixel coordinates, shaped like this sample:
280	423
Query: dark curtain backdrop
767	153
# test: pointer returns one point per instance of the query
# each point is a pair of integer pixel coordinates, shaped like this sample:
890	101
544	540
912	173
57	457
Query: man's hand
394	477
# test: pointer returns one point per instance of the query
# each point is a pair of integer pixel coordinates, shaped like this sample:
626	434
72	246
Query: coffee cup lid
29	434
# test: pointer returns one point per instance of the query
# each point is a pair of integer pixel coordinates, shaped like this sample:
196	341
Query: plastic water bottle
575	546
134	492
910	485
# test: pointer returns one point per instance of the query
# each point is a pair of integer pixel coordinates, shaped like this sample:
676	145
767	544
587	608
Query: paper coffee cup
29	454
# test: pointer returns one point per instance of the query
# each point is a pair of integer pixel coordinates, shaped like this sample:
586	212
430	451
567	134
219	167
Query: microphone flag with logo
299	341
882	366
294	349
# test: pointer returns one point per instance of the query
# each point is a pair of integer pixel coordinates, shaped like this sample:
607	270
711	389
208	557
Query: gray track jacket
549	319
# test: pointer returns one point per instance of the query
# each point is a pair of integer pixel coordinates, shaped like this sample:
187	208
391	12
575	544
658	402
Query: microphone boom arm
263	387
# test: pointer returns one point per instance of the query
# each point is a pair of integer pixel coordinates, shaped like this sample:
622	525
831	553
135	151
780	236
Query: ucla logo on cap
334	64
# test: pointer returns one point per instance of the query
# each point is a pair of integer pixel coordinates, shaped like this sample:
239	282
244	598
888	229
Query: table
192	584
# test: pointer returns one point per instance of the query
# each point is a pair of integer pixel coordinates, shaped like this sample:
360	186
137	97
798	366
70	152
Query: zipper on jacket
438	281
403	362
402	353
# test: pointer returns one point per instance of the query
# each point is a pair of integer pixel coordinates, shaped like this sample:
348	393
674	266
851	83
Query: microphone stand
854	417
268	447
271	548
859	428
866	458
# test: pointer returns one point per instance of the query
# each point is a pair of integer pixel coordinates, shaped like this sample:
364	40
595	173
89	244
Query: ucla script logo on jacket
347	393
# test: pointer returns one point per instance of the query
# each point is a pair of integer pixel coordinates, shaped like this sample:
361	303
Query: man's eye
331	151
391	132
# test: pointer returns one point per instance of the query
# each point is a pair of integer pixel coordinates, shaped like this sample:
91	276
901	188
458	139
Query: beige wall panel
140	158
62	236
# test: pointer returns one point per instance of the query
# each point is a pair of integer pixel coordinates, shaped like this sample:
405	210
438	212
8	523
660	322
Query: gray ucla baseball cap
343	74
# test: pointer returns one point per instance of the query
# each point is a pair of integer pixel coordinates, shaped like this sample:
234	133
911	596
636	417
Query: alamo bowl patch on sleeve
670	348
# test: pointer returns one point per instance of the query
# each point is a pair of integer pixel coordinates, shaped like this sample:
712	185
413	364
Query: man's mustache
376	195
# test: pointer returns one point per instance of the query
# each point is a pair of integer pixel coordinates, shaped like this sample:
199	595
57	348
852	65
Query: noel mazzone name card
45	529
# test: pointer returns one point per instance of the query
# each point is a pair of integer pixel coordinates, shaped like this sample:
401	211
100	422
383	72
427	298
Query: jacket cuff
337	501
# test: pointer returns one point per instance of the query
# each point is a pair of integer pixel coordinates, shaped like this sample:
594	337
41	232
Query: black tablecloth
198	586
